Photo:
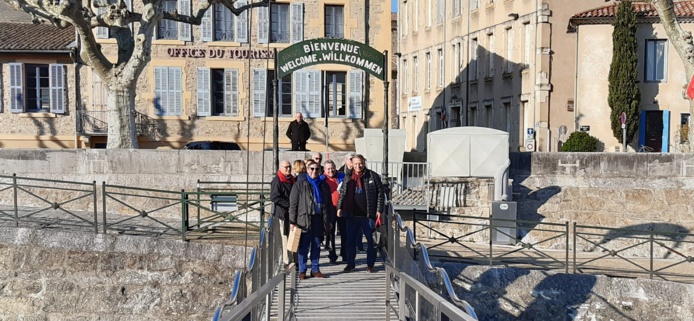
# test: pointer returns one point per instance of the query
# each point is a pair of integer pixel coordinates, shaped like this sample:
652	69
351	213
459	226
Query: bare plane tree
134	48
683	43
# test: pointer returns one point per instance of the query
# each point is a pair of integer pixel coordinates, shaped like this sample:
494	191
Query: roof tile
642	9
23	37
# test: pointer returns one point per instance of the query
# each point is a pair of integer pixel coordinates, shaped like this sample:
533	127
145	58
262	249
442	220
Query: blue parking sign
531	131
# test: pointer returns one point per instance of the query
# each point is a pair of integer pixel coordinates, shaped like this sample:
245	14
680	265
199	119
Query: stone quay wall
50	275
506	294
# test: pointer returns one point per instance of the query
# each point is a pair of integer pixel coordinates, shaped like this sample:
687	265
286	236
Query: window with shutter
242	23
98	93
284	87
259	87
356	89
203	91
168	29
16	94
314	93
224	27
168	100
301	92
37	88
57	85
297	22
263	24
184	28
280	23
231	92
334	21
335	94
101	32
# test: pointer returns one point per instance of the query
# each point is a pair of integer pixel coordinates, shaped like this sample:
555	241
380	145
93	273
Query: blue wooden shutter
297	14
184	32
314	94
263	25
231	92
203	91
666	131
16	94
242	23
259	92
356	85
57	88
301	92
206	25
642	129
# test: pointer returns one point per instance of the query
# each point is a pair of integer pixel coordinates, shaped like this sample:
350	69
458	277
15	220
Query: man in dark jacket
361	202
311	209
280	189
299	133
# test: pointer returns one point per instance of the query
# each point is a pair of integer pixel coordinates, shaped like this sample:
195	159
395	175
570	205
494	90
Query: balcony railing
96	122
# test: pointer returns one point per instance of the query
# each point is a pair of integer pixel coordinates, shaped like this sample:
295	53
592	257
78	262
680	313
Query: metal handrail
441	273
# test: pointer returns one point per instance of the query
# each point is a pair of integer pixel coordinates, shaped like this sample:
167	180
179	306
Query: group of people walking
323	200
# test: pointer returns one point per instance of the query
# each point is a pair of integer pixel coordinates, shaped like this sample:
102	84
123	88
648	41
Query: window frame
166	25
334	24
286	80
330	79
275	13
647	54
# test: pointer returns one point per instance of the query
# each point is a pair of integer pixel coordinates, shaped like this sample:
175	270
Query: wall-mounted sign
235	53
331	51
415	103
570	105
584	128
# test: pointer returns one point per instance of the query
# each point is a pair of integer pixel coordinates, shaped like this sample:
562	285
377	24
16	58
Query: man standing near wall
299	133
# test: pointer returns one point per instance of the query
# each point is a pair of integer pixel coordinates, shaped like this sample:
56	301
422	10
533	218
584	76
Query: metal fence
656	253
408	181
44	203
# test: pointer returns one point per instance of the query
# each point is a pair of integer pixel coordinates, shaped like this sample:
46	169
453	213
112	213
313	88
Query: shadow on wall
486	92
500	294
663	232
318	131
41	130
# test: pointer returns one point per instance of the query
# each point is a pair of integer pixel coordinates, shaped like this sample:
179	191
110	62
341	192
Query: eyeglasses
313	168
287	166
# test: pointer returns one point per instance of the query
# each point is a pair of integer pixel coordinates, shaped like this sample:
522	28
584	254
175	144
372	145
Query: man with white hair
347	166
299	133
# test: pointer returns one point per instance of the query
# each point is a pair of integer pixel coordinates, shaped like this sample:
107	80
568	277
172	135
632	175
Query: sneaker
348	268
318	275
370	269
302	276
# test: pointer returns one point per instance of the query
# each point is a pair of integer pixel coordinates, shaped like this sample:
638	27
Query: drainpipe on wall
76	67
576	85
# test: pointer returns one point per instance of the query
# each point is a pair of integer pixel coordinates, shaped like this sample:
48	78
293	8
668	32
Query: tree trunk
682	41
121	117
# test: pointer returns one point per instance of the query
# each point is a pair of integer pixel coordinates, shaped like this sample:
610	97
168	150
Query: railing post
414	233
184	214
96	220
650	269
491	231
14	196
199	203
282	292
566	236
575	247
103	205
387	293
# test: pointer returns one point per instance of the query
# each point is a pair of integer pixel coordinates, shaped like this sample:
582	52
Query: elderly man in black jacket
361	202
312	210
299	133
280	188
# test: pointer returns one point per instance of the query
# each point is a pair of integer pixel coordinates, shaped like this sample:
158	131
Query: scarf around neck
285	179
357	177
316	191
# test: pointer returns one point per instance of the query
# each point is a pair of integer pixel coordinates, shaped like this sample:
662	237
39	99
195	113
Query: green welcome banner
330	51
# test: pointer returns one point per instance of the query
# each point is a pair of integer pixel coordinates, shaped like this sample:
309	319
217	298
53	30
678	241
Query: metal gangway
404	286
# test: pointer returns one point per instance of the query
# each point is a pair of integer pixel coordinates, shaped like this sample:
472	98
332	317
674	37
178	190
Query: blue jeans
354	226
310	240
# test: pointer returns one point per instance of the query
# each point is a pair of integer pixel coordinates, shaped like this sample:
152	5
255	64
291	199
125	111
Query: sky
394	5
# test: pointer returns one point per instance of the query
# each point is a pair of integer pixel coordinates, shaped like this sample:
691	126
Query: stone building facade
664	105
489	63
214	81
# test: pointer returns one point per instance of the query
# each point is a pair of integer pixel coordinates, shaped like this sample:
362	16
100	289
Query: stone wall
503	294
49	275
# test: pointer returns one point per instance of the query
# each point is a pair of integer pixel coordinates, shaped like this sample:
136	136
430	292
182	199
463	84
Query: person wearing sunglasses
311	209
318	158
361	202
280	188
